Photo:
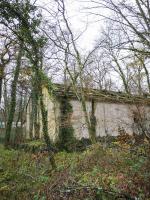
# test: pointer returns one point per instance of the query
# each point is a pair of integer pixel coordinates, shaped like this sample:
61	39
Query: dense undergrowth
115	171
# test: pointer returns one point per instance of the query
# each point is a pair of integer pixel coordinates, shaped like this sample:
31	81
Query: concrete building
114	111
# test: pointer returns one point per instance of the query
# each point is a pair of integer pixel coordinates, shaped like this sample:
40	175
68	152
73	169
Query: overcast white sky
79	20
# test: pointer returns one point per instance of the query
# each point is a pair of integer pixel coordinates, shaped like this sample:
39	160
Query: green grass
113	169
20	177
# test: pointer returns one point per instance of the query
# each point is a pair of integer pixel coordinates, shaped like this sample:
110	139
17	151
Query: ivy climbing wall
111	118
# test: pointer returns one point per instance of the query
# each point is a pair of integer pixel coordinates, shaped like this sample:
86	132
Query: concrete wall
110	118
53	115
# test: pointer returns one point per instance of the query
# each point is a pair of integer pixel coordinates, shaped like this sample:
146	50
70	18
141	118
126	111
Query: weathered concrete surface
52	107
110	117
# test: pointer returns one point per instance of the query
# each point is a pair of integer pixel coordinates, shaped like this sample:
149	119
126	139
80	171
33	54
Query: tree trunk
6	107
13	99
92	134
31	119
126	87
1	80
37	84
93	121
18	132
45	132
35	105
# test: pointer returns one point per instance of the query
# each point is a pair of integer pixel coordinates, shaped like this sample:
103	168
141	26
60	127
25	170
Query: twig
74	188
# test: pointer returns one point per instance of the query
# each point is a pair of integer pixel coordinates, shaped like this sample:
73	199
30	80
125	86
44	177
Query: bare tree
132	15
73	62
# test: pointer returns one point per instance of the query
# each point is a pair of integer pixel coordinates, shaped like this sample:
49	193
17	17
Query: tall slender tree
13	96
23	15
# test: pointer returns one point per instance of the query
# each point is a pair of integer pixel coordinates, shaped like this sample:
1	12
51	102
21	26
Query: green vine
47	83
66	131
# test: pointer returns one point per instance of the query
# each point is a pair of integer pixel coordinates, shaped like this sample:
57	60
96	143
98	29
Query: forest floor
118	171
